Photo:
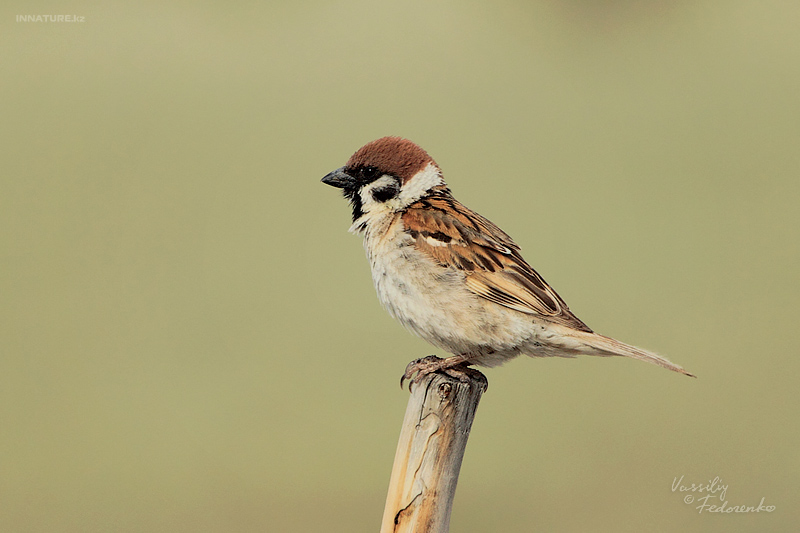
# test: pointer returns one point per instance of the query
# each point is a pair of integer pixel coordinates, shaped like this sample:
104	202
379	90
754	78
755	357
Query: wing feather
456	237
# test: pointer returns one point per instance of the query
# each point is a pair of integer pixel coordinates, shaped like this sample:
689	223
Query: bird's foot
456	367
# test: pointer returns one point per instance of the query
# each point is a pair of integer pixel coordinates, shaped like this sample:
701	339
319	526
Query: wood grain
431	447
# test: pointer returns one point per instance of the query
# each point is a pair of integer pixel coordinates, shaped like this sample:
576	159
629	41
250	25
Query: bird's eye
370	173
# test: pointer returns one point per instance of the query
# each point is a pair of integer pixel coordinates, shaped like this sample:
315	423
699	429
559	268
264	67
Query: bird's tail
606	346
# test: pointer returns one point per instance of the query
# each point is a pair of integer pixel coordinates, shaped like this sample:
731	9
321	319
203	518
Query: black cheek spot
386	193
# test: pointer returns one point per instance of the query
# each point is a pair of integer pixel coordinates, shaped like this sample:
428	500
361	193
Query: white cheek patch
374	211
368	202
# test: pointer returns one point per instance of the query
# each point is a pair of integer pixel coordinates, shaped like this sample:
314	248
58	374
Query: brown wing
456	237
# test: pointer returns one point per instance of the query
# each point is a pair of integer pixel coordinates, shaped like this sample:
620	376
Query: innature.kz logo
51	18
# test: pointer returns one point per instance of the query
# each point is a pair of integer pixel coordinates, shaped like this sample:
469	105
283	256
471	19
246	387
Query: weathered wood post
432	441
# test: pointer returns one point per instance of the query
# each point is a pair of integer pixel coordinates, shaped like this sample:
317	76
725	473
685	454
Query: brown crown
392	155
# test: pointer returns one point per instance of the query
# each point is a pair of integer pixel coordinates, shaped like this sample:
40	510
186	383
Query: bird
451	276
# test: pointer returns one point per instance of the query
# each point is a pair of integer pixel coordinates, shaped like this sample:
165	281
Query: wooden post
429	453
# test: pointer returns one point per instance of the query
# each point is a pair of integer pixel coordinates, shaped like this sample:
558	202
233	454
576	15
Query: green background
191	341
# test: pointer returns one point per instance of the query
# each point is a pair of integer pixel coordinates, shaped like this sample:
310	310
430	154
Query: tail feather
607	346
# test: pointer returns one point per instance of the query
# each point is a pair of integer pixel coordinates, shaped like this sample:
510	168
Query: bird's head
385	176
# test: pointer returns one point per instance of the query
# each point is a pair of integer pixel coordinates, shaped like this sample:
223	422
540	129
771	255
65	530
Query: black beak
339	178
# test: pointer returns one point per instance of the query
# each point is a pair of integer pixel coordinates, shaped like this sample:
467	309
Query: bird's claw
421	367
453	367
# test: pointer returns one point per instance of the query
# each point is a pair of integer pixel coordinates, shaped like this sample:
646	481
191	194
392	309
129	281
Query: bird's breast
434	302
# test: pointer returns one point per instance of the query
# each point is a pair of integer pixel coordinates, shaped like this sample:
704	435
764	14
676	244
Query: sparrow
450	275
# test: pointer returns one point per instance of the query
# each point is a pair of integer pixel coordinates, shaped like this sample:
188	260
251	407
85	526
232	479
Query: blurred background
189	337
